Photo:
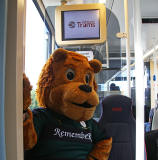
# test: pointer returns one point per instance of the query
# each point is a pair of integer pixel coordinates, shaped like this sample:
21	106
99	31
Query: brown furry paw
26	92
101	150
30	136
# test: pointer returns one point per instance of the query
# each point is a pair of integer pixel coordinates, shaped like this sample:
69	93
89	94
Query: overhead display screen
80	25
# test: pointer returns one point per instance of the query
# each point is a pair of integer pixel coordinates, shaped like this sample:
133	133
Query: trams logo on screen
83	24
71	24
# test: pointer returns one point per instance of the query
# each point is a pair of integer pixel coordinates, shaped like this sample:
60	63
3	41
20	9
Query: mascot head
67	85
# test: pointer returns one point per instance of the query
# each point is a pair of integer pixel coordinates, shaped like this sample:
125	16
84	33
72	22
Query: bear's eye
70	74
87	78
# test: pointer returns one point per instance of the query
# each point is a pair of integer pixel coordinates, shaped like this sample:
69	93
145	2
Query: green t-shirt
62	138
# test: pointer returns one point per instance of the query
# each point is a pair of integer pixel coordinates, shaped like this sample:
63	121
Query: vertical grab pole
127	48
156	80
107	54
139	67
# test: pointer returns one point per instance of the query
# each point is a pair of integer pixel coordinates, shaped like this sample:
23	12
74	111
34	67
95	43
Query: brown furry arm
30	136
101	150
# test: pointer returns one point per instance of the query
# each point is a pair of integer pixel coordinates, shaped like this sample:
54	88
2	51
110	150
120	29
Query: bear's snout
85	88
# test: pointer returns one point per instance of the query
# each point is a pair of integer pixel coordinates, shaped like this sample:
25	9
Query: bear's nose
85	88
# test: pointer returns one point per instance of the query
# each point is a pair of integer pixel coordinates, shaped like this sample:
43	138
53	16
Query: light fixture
102	1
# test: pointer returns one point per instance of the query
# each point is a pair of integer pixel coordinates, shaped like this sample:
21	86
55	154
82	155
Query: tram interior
111	53
113	56
116	71
40	42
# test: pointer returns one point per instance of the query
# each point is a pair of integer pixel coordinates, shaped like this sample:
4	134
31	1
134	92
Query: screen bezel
80	7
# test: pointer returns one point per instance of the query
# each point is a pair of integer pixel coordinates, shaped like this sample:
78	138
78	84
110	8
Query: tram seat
118	121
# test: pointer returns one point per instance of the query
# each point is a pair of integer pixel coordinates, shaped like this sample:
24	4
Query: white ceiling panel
149	8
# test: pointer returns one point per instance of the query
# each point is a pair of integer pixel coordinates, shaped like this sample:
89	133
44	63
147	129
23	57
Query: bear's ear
96	65
60	55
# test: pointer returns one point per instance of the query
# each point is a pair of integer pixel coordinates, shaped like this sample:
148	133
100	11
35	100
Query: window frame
44	15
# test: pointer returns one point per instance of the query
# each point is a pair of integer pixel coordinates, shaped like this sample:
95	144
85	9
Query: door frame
15	41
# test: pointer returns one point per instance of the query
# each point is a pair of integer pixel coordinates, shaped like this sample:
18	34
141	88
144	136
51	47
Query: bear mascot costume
63	128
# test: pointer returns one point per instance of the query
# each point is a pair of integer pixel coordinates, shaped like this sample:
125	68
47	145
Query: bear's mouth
85	105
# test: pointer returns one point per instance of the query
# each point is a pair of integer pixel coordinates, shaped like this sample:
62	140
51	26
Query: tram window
38	44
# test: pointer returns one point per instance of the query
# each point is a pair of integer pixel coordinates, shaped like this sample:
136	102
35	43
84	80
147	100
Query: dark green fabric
48	148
